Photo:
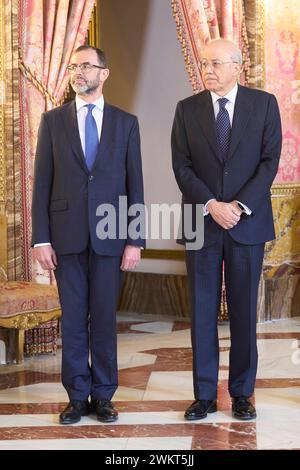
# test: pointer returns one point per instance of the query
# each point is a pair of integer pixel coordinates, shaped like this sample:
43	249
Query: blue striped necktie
223	128
91	137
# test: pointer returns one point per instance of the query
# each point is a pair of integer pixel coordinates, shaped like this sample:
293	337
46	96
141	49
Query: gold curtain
11	261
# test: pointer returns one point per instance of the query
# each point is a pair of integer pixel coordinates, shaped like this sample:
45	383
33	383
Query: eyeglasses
85	67
215	64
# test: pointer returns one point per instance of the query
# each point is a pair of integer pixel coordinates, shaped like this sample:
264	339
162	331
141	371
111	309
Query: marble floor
155	387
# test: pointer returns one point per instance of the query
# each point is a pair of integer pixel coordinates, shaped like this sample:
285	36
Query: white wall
148	78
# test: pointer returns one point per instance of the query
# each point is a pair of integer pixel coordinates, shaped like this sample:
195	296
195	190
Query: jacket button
91	177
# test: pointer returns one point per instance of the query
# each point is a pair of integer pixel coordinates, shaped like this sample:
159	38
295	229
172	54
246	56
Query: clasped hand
226	214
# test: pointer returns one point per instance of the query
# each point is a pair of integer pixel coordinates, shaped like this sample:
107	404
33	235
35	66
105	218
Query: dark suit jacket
249	170
66	194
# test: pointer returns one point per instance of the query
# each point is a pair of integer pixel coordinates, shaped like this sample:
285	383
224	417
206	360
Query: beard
85	87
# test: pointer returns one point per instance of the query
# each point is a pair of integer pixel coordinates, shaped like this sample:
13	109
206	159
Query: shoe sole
107	420
73	421
66	423
243	418
213	409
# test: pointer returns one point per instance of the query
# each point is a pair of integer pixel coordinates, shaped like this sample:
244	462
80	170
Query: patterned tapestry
11	262
282	77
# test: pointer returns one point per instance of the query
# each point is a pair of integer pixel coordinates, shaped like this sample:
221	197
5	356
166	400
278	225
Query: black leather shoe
73	412
104	410
242	408
199	409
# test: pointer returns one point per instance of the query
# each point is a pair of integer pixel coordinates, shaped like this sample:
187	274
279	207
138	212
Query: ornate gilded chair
24	306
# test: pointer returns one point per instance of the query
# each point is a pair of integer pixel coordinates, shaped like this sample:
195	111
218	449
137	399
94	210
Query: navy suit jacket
250	167
66	194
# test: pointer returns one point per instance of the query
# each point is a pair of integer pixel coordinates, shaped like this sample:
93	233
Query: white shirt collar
99	103
231	95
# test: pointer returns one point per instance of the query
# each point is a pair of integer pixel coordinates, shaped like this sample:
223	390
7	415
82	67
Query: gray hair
237	56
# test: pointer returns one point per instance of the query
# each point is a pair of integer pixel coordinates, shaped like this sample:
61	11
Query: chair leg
19	346
11	346
4	336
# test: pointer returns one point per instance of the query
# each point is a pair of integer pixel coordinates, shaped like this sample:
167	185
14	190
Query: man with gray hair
226	144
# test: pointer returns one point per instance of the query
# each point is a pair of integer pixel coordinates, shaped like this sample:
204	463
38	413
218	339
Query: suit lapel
242	112
69	116
206	118
106	135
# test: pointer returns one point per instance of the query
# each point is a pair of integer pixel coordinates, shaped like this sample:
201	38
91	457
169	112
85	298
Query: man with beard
88	154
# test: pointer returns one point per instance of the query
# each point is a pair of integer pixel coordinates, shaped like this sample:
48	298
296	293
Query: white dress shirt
231	97
81	115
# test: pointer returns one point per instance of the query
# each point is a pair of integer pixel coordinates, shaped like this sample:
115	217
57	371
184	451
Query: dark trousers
242	266
89	286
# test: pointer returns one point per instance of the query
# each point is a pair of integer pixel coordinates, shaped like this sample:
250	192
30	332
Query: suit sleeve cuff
41	244
244	208
205	211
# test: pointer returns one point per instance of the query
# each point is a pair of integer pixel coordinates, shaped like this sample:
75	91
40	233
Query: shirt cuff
41	244
205	211
245	208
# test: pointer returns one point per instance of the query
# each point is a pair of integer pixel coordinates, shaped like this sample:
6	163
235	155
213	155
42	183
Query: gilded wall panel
286	248
282	77
274	37
10	168
3	228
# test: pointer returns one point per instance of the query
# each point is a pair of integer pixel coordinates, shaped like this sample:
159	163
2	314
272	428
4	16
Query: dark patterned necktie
223	128
91	137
